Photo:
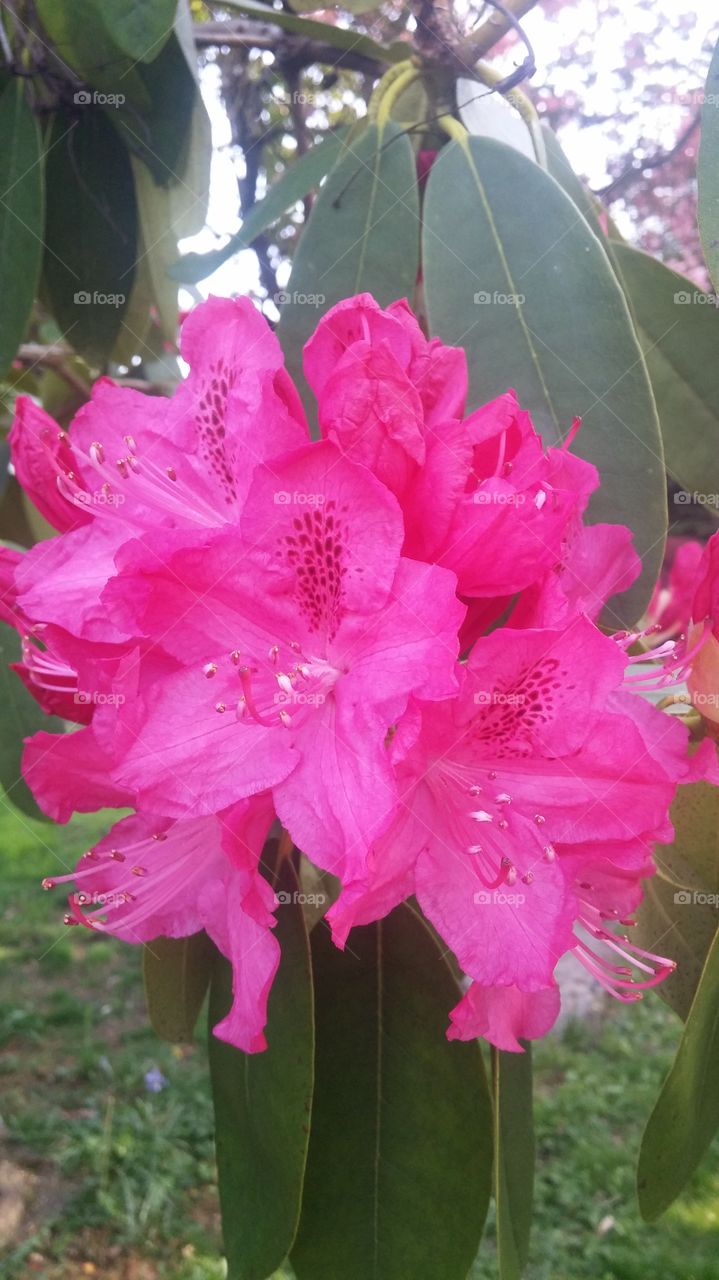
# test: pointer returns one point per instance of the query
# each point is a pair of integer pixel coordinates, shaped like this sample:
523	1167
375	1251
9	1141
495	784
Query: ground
100	1176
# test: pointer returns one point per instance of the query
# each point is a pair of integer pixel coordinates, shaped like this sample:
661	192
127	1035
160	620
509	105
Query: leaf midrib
534	354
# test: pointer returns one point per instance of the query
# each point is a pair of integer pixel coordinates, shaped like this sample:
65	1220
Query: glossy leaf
177	975
161	139
595	214
324	33
514	1159
678	327
262	1105
21	216
489	115
91	231
299	177
678	916
686	1115
150	104
563	173
139	27
363	234
166	213
20	716
399	1168
157	249
84	45
708	170
527	289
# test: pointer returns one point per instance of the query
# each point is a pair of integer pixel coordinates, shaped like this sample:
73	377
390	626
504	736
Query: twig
496	26
636	167
53	357
296	49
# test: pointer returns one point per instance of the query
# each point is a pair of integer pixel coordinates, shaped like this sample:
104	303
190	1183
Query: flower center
279	688
504	843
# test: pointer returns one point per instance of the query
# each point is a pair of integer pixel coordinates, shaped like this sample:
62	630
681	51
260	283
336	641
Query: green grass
126	1169
595	1086
125	1172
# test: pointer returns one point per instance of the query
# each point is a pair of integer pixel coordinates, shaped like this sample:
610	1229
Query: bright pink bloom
48	678
480	495
248	624
705	603
40	451
599	562
291	646
542	764
492	504
150	877
703	641
502	1015
671	604
381	385
132	463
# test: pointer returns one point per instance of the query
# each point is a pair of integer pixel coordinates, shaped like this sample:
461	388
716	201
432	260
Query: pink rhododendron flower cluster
248	625
692	600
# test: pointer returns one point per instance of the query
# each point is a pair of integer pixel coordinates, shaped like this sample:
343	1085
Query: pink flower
671	604
541	767
245	624
502	1015
705	603
492	504
48	678
703	639
598	562
381	385
131	464
480	495
150	877
280	653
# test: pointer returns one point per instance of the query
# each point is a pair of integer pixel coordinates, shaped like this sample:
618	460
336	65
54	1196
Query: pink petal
504	1015
39	451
